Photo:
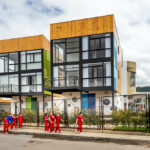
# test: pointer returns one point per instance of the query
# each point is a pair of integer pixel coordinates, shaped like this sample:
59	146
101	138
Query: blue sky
19	18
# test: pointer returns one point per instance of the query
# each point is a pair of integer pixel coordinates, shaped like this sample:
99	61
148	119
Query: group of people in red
52	120
10	122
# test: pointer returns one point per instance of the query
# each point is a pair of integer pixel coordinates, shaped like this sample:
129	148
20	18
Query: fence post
102	113
149	113
37	112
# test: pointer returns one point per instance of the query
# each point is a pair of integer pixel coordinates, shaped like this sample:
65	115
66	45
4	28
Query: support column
81	100
43	103
37	112
20	102
113	100
66	113
52	101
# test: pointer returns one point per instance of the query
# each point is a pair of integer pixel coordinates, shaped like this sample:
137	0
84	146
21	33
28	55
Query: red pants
15	124
46	126
20	124
58	127
80	127
5	128
52	126
10	125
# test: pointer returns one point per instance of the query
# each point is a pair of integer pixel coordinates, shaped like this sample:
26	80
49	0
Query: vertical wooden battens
24	44
89	26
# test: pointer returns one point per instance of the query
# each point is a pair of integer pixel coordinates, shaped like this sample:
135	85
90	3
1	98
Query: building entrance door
31	103
88	101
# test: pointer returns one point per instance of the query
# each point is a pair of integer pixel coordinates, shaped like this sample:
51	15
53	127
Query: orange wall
25	43
97	25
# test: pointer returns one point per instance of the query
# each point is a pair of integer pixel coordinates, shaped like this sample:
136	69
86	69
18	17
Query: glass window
31	60
9	84
66	75
71	57
4	63
13	83
23	57
97	74
31	82
33	66
92	44
66	51
85	43
107	42
59	51
99	46
13	58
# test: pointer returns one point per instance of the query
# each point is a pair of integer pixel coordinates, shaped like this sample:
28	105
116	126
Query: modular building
25	70
86	59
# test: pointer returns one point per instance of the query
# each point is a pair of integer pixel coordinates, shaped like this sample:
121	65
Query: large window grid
96	46
66	76
31	82
13	62
9	83
31	60
97	74
9	62
66	50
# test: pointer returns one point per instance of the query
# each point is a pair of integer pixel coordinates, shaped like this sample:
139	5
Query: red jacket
79	117
20	119
52	118
58	118
5	121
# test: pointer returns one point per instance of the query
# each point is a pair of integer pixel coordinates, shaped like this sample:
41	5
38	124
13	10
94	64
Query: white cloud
32	17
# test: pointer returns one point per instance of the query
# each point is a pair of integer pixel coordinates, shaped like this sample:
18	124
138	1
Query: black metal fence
126	113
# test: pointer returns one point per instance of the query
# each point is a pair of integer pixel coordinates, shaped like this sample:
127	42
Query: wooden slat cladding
82	27
25	43
46	44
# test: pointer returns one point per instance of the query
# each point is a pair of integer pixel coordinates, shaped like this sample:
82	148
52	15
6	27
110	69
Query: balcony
70	81
31	88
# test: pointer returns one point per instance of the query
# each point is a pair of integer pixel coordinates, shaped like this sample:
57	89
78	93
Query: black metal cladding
83	61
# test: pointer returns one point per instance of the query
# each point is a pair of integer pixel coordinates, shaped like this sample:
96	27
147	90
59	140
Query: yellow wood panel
82	27
23	44
68	30
46	44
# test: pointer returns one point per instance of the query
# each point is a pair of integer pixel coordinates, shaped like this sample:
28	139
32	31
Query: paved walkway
69	134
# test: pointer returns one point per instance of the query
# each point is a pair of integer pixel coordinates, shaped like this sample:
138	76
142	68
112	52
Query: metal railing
8	88
70	81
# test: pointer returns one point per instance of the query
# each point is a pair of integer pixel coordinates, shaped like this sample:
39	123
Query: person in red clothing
5	125
14	121
58	119
52	122
20	120
79	121
46	122
10	121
